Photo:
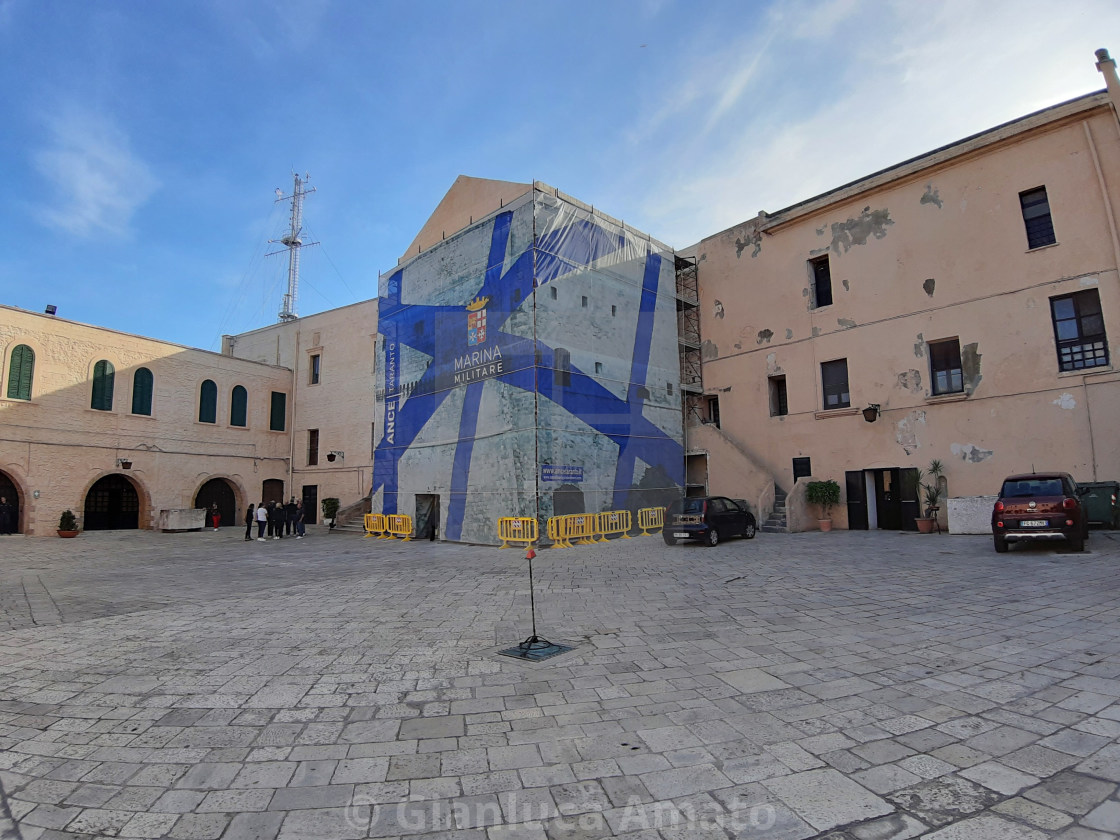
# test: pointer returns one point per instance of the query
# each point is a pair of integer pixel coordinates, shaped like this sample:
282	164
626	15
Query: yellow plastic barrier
376	525
553	530
613	522
400	525
579	527
517	529
651	519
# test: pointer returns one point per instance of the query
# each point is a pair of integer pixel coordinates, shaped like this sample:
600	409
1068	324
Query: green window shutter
237	406
142	392
103	374
20	373
279	409
208	403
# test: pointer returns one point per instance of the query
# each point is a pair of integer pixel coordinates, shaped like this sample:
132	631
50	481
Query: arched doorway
111	505
218	491
10	492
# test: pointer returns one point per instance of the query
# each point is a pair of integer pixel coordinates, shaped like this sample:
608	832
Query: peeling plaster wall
934	257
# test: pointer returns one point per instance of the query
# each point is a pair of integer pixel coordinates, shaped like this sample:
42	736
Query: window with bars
1036	216
779	403
834	384
142	383
945	366
1079	330
102	397
21	373
208	402
239	406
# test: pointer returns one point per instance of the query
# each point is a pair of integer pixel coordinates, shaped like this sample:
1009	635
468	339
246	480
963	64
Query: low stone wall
189	519
971	514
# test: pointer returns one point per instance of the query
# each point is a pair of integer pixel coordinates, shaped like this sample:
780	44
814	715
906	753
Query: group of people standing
278	519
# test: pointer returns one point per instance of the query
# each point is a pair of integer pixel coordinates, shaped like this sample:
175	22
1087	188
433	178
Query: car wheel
1077	543
750	530
669	538
1001	544
711	539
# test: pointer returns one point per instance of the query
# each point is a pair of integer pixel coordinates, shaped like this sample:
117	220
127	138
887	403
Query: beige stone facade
54	447
332	356
932	305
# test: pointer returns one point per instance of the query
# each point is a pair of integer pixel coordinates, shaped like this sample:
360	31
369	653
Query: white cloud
905	78
96	182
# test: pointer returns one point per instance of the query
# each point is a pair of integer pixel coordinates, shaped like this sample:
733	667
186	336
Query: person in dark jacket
300	530
276	520
290	516
250	518
7	516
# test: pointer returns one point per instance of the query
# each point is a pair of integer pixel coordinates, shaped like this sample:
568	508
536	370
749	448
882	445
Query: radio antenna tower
292	242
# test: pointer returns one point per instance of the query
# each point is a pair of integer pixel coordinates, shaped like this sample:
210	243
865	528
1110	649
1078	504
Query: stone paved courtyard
849	686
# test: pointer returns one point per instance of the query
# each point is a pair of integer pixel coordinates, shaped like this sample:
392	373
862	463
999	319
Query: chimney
1107	65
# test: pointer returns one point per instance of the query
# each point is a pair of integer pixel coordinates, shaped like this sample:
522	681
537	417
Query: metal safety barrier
613	522
553	529
651	519
517	530
377	524
400	525
579	527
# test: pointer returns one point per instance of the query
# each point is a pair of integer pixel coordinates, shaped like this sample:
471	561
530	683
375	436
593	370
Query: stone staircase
351	519
776	524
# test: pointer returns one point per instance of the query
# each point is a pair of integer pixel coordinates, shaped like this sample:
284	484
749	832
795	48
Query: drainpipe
1107	66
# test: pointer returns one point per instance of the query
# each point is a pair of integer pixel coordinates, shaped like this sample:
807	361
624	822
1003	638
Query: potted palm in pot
824	494
931	497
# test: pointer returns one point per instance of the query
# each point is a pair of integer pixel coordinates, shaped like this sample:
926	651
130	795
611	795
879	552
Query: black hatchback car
1040	506
708	519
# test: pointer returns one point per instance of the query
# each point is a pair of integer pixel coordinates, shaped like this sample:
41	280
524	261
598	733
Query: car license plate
1034	523
680	535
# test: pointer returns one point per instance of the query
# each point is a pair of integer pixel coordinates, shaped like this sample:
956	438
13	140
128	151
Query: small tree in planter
330	510
68	524
931	496
824	494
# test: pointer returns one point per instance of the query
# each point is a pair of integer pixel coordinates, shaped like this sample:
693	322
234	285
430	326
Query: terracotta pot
925	526
824	524
68	534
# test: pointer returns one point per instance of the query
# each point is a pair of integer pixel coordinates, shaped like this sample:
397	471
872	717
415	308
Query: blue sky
142	142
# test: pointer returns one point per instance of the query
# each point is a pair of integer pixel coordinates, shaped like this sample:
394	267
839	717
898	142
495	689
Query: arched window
142	392
208	403
20	373
237	406
103	374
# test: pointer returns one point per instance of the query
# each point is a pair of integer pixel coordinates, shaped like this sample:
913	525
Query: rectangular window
584	299
598	367
821	276
614	310
312	447
945	366
562	372
313	369
802	468
779	406
1036	216
1079	330
278	410
553	292
834	384
713	411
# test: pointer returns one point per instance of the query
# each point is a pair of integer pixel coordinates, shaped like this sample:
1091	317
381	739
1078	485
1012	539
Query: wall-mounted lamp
336	453
871	413
124	463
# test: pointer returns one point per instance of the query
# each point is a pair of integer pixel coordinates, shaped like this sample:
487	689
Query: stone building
117	427
965	302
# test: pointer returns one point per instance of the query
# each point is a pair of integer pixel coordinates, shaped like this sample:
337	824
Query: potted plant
931	497
68	524
330	511
824	494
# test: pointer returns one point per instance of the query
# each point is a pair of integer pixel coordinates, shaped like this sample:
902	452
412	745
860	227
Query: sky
142	141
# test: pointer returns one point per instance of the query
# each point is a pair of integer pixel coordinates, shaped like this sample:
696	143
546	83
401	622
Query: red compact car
1040	506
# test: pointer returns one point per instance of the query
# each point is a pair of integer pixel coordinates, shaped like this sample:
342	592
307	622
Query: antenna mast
293	243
